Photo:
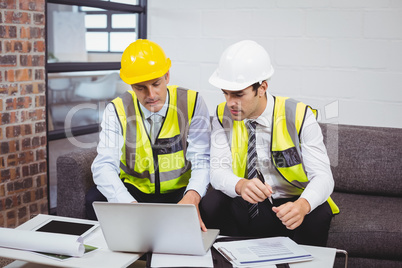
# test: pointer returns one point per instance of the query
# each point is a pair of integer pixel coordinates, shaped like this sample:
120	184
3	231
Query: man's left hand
292	213
192	197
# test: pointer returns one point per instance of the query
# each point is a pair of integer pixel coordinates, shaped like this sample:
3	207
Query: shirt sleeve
316	163
106	166
222	176
198	150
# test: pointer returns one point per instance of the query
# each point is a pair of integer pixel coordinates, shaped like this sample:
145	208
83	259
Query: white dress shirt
314	155
106	166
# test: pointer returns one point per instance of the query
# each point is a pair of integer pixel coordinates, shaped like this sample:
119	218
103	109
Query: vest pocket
286	158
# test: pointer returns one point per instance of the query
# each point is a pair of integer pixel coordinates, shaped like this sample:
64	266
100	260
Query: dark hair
255	86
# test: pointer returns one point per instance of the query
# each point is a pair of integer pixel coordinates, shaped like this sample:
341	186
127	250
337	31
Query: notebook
160	228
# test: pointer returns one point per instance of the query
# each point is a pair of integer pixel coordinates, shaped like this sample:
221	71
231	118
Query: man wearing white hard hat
269	166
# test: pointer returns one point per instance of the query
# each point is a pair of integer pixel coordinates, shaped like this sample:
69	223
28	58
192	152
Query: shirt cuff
200	189
124	197
312	198
230	187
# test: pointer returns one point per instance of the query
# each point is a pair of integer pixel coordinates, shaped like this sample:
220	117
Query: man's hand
292	213
192	197
254	190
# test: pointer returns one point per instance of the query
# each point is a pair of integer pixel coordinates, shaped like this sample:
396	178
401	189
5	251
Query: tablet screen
64	227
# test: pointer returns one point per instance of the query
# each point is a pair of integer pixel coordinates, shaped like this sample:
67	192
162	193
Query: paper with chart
255	252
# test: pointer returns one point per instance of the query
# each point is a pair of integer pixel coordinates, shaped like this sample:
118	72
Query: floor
61	147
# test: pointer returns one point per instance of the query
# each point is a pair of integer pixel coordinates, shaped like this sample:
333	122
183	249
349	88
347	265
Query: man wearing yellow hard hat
155	138
269	164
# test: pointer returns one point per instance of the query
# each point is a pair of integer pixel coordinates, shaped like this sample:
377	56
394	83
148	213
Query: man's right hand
254	190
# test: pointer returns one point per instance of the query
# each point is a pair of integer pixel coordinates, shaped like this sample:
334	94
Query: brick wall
23	177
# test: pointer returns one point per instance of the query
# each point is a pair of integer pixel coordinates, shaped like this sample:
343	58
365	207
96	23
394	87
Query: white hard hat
241	65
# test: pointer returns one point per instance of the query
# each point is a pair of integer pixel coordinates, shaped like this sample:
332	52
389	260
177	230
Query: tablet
67	227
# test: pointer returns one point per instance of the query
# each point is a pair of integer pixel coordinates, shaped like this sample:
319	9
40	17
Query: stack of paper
172	260
263	251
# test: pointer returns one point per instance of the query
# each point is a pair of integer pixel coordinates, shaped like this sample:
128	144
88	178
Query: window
108	31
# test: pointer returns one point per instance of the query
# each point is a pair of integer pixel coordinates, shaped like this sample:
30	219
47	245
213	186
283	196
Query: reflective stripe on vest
162	167
287	122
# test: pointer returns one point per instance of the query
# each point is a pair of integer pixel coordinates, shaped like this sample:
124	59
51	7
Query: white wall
343	56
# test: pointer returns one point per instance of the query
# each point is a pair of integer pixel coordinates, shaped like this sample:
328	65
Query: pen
259	175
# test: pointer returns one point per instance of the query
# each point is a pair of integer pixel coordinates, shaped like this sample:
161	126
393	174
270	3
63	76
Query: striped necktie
251	163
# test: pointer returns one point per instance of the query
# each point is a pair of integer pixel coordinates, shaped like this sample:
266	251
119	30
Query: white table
323	258
102	257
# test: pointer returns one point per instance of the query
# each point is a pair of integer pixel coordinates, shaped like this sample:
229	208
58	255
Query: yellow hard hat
143	60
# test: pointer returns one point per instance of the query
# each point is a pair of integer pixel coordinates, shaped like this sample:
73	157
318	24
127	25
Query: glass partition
79	98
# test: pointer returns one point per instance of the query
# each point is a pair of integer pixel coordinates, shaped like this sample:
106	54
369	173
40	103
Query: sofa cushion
74	178
365	159
366	263
372	232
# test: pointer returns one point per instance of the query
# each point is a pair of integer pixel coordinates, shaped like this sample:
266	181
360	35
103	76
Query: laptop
160	228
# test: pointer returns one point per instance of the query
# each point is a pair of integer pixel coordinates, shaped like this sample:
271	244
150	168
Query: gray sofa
368	191
367	168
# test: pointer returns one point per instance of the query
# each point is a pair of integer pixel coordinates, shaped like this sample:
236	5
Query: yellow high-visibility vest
287	122
161	167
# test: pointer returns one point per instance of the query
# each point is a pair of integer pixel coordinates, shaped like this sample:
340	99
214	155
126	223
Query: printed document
256	252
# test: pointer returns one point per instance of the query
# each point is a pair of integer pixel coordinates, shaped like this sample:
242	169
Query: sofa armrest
74	179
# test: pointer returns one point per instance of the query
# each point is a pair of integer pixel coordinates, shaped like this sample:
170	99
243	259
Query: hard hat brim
147	77
233	86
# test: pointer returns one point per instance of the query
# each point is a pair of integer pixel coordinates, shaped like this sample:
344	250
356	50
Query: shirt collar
265	119
162	112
